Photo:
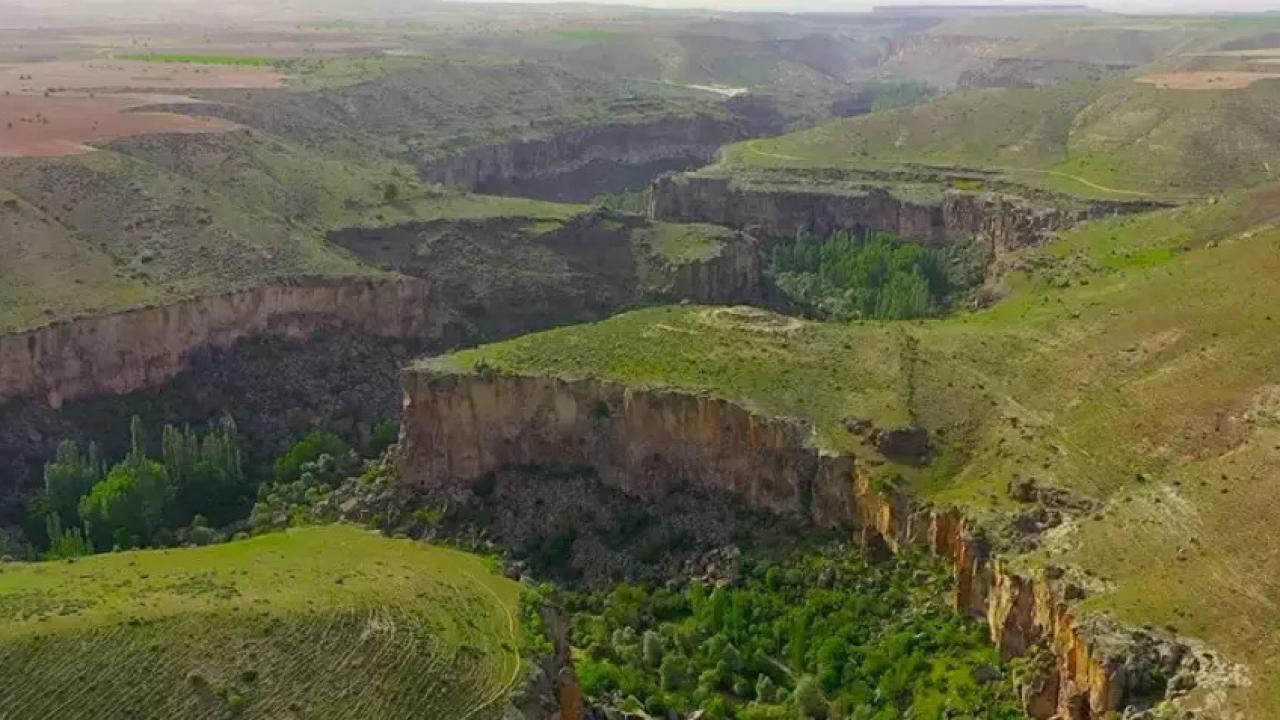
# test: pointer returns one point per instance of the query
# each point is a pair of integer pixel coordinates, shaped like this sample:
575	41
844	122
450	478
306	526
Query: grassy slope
335	622
432	108
150	219
1147	384
1126	138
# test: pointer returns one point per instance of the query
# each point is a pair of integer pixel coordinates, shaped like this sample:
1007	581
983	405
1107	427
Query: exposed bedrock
132	350
459	427
577	165
1006	221
283	358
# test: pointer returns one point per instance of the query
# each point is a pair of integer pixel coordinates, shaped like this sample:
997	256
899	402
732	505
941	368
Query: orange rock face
137	349
459	427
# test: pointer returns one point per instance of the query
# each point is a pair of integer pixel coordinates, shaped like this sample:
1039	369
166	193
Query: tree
674	673
651	648
288	467
70	476
809	700
64	544
766	690
133	503
207	474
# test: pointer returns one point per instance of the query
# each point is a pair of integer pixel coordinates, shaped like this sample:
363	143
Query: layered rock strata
1006	221
136	349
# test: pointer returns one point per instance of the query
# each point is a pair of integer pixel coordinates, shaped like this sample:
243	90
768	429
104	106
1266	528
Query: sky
1137	6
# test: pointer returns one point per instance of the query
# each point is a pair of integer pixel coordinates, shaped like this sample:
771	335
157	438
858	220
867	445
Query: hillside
171	216
1116	139
1120	371
321	622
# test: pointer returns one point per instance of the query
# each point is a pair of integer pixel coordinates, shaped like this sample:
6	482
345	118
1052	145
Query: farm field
323	622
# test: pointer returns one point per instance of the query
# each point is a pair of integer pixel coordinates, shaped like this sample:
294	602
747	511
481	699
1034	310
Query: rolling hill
324	622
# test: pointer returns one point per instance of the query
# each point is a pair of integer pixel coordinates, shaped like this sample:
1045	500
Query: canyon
578	164
460	426
323	352
1005	220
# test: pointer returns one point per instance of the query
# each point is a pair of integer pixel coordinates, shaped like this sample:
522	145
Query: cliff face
685	142
1006	221
732	276
135	349
457	428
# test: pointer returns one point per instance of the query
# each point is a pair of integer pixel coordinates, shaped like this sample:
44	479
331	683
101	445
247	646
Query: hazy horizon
132	7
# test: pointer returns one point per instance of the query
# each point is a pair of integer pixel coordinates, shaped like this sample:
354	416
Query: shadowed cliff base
275	390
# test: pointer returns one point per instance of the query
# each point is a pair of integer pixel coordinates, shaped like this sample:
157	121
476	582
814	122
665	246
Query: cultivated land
1131	370
325	622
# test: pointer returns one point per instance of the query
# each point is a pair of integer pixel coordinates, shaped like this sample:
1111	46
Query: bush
289	467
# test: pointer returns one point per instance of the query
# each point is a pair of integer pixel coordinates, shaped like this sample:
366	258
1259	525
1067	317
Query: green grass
682	243
323	622
193	59
1142	379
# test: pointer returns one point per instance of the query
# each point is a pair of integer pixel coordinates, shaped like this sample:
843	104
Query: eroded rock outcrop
667	144
1006	221
460	427
132	350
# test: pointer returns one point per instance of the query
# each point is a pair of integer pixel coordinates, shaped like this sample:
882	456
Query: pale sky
1137	6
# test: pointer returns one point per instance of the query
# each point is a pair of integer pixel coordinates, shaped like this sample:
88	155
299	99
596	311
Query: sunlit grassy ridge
326	622
1135	368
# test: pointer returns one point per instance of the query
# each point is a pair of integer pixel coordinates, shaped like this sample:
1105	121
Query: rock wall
734	275
460	427
1008	222
132	350
686	142
457	428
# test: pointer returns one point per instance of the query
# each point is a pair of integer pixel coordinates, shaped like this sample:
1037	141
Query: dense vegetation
848	275
824	635
199	482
